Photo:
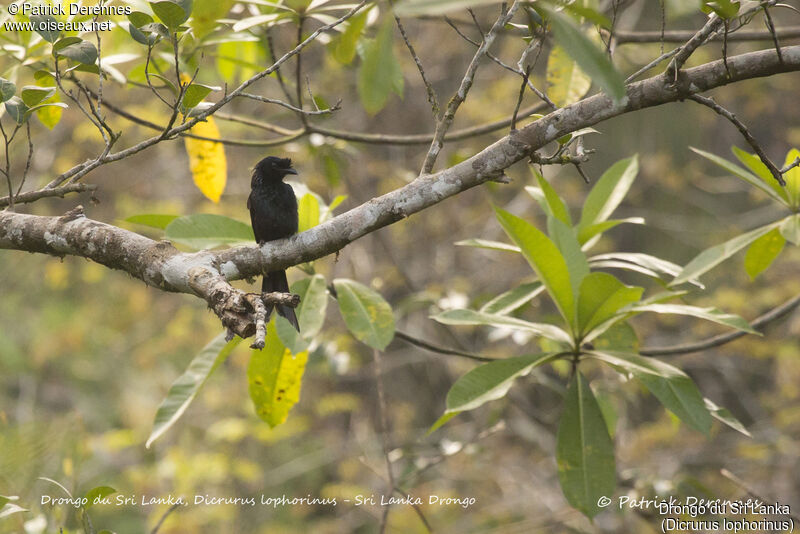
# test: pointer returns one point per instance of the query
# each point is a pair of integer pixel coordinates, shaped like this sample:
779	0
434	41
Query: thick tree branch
161	265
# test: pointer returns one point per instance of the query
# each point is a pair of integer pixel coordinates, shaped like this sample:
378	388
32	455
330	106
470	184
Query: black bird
273	214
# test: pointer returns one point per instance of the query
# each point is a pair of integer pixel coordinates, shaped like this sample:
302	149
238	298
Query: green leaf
173	13
313	293
166	81
17	109
33	95
204	230
491	381
711	257
709	314
652	264
139	19
46	26
567	82
589	14
754	163
367	315
66	41
609	191
586	233
590	58
258	20
82	52
488	244
471	317
790	229
727	9
414	8
97	494
441	422
380	72
154	220
577	265
513	299
726	417
185	388
545	258
274	377
195	93
206	14
676	391
748	177
140	28
556	206
343	48
601	297
619	336
584	450
7	89
308	212
792	177
762	252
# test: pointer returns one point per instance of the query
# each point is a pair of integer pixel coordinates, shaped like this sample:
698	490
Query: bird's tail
275	281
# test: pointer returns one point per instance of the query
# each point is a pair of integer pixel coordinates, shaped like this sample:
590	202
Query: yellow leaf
50	115
275	377
567	82
207	160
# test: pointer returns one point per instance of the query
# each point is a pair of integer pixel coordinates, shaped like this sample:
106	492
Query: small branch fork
432	98
773	169
444	123
172	131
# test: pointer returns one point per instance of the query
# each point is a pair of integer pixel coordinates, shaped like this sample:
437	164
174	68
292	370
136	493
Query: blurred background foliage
87	354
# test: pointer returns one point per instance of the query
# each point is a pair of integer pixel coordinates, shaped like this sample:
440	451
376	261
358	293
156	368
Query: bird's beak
290	171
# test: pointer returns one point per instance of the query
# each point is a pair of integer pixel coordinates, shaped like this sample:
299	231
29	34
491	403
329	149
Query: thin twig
274	58
663	7
164	517
750	491
290	107
519	71
519	98
710	27
466	83
417	139
383	428
432	99
440	350
33	196
681	36
7	142
298	71
791	166
652	64
716	341
726	26
771	28
29	159
775	171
